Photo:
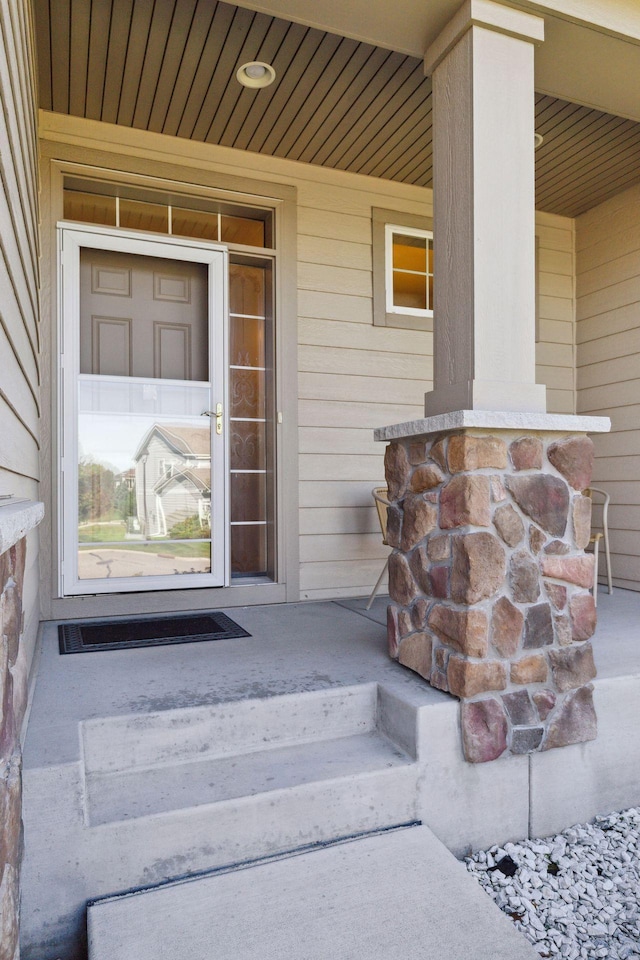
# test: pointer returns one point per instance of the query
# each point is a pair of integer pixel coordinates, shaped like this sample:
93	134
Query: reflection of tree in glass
190	529
96	490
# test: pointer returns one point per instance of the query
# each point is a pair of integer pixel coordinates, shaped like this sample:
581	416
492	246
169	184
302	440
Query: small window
402	270
409	273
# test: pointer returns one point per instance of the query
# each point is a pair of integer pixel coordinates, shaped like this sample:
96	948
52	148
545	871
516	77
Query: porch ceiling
170	66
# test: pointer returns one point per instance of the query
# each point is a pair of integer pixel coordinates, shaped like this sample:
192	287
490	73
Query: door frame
71	238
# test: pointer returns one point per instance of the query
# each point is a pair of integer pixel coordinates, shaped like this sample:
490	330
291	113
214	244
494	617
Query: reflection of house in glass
173	481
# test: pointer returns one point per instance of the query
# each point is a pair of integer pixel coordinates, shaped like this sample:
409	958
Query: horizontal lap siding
354	376
19	279
608	364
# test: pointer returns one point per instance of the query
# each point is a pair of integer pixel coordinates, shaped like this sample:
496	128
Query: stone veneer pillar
15	520
489	580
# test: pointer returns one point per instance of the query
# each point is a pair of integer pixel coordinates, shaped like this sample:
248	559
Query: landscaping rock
573	458
543	498
479	566
484	730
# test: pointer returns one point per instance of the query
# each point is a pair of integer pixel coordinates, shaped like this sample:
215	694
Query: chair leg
378	582
595	573
608	560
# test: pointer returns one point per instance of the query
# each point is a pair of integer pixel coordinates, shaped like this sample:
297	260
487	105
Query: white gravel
576	895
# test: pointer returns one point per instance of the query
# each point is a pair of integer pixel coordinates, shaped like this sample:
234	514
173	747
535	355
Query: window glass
251	233
89	207
194	223
137	215
409	274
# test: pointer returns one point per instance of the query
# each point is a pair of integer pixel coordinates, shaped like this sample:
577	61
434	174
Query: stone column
15	521
489	580
484	231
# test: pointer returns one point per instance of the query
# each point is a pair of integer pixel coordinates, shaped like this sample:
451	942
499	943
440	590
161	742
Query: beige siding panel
317	276
555	378
620	443
334	253
341	466
338	440
366	363
330	575
334	306
609	372
556	308
608	396
322	223
342	547
555	261
340	520
555	285
343	493
326	386
19	448
608	274
561	401
610	347
612	321
603	301
314	413
555	331
554	355
606	251
351	336
554	238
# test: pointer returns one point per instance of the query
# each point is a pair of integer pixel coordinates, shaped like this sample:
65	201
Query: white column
484	228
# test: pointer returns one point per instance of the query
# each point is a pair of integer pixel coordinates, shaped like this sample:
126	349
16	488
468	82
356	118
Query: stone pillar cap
17	517
494	420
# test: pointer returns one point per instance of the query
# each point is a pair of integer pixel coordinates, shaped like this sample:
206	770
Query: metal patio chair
601	535
380	495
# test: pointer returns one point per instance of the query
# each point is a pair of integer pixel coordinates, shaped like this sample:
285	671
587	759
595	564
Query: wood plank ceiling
169	66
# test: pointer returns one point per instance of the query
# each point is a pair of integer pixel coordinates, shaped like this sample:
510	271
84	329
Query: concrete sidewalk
395	896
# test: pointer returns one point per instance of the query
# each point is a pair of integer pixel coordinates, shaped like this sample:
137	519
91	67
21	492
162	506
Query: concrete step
398	895
176	793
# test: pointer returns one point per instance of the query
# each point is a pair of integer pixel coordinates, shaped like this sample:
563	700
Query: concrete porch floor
299	650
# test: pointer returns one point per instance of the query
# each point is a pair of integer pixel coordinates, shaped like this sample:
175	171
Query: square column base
490	583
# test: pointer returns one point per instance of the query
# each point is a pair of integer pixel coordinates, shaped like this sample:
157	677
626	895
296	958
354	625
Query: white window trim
389	230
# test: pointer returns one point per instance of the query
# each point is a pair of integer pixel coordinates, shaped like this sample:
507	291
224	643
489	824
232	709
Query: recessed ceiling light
537	140
256	74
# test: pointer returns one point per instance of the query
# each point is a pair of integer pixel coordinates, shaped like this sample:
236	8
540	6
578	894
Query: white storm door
144	499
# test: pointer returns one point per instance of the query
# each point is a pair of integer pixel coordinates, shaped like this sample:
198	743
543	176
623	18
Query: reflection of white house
173	477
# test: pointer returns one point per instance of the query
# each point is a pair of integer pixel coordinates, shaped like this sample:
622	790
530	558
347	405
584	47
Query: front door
144	427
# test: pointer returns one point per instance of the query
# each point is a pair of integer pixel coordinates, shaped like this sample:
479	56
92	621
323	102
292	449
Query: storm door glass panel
251	420
144	447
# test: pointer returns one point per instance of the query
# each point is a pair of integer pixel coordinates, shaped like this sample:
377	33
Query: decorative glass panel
249	550
247	290
247	445
247	394
247	342
248	497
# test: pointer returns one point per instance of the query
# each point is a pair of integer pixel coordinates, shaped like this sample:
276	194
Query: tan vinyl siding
608	364
19	279
352	376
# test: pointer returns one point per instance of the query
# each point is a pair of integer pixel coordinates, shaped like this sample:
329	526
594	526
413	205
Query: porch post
483	141
488	579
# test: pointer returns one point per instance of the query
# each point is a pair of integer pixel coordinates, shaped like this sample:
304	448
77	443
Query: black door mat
150	632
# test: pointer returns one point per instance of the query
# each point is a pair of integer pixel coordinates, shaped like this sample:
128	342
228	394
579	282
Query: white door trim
71	238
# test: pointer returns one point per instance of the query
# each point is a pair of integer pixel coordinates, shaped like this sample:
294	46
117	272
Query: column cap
494	420
490	15
17	517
